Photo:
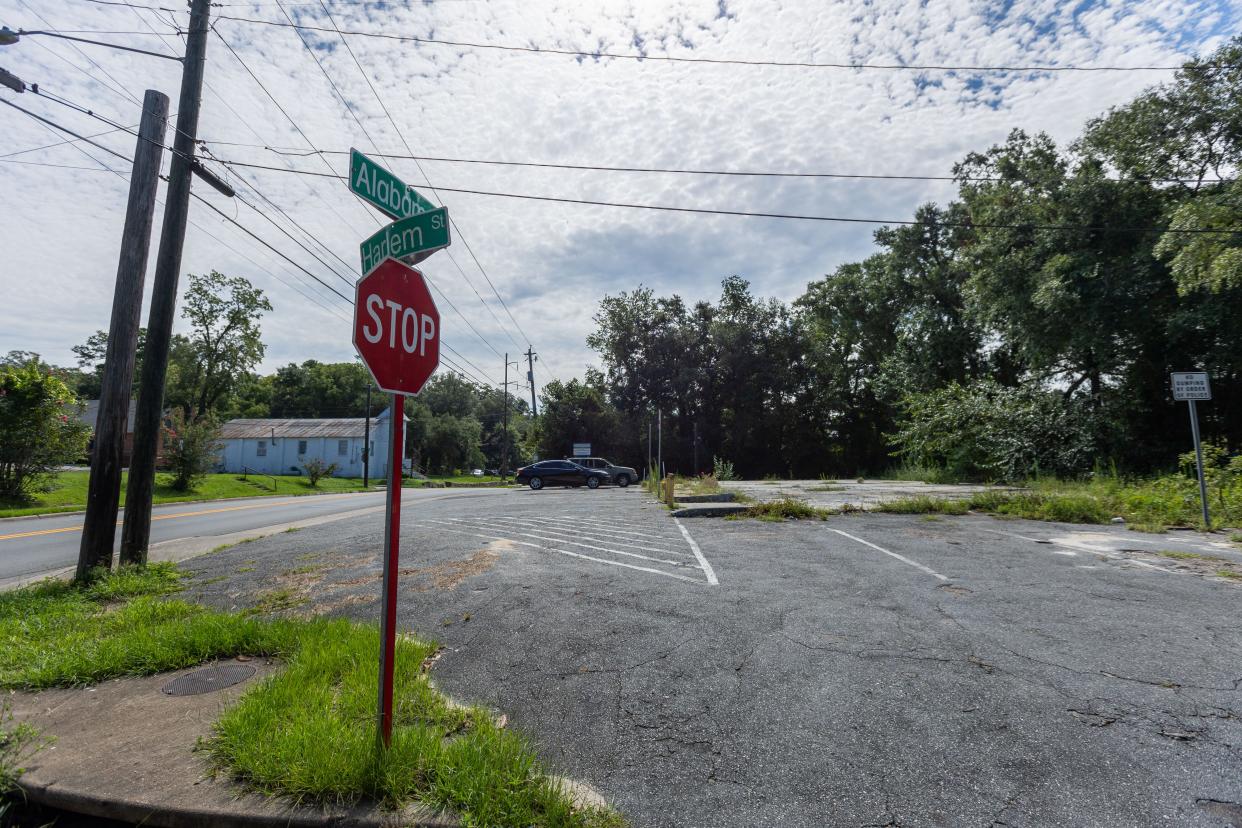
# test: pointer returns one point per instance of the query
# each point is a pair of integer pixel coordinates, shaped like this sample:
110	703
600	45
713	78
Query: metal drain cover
209	679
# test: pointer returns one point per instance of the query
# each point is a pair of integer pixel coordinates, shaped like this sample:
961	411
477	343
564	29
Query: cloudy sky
551	262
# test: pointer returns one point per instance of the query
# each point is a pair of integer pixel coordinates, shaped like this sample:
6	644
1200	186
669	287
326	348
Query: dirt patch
449	574
352	600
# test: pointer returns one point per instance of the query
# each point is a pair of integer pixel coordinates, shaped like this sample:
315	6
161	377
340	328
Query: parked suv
620	475
560	473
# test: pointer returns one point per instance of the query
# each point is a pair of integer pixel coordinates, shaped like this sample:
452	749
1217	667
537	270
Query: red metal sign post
397	334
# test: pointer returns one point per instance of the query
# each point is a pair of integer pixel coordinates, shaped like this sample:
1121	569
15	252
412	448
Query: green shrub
785	508
39	429
986	431
722	469
317	469
190	448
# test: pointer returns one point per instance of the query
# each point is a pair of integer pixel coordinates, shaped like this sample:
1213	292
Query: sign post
1191	386
397	334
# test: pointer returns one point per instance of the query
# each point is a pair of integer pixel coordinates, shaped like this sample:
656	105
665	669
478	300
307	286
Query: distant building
90	416
279	447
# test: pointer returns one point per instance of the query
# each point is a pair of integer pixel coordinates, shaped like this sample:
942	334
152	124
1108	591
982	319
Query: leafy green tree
39	429
224	342
575	411
90	357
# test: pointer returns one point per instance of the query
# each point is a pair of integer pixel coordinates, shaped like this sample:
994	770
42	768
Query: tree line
1029	326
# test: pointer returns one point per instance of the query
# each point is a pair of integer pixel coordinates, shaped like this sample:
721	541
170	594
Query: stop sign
396	327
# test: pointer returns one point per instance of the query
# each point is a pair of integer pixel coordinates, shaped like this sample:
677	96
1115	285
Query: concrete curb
124	750
719	497
710	510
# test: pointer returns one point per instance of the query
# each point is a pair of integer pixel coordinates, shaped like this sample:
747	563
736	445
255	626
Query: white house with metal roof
279	447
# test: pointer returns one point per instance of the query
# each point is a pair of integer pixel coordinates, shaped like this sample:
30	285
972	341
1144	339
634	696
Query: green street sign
390	194
410	239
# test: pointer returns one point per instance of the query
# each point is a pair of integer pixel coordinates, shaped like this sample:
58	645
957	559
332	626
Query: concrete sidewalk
125	750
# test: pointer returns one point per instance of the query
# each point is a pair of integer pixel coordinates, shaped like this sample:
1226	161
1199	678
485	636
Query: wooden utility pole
104	490
366	442
504	429
136	533
530	377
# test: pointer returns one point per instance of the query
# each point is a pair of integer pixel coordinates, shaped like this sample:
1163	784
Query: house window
261	451
342	447
301	447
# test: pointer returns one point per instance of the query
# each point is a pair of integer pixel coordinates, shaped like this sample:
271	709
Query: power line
288	117
692	171
224	216
796	64
123	91
129	129
65	130
83	110
461	236
790	216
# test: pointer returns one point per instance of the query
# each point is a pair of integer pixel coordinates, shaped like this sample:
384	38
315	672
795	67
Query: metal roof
258	429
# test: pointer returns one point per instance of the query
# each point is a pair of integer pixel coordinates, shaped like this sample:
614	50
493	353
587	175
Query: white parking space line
698	553
616	537
651	570
901	558
553	530
1083	547
1041	541
583	545
627	528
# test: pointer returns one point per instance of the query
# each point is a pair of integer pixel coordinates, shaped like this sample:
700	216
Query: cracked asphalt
870	670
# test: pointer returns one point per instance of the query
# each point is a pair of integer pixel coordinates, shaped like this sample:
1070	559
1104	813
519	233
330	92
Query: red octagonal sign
397	327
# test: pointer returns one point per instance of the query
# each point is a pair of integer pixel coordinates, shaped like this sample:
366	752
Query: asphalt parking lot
870	670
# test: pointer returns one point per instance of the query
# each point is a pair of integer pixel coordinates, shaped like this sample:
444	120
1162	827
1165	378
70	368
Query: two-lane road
36	546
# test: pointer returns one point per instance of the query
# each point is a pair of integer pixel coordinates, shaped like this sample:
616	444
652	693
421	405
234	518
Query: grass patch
18	742
786	508
307	731
923	505
57	634
1231	574
303	570
276	600
68	491
703	484
1178	555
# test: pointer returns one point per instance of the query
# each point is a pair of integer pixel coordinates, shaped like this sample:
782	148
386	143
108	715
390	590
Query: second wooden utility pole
136	533
107	456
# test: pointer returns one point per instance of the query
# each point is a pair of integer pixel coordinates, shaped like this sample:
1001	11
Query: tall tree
224	338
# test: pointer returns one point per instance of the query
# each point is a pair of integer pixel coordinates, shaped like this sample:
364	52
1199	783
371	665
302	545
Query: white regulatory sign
1191	385
582	449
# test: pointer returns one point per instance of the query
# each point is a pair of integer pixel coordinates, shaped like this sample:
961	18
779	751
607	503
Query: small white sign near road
582	449
1191	385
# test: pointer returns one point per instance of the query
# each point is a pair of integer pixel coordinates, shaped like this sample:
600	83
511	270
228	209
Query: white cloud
553	262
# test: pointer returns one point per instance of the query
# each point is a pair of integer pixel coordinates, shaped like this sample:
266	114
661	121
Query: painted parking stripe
1082	547
1067	552
652	570
698	553
901	558
620	536
520	533
585	536
638	528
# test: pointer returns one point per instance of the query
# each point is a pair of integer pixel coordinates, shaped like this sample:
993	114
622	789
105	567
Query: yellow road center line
78	528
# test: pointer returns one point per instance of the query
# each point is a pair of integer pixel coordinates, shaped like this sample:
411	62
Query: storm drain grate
209	679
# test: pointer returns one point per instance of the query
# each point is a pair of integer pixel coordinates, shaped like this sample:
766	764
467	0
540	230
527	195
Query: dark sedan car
560	473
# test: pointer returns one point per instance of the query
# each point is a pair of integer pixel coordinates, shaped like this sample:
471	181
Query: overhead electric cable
123	91
796	64
786	216
288	117
452	223
314	239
